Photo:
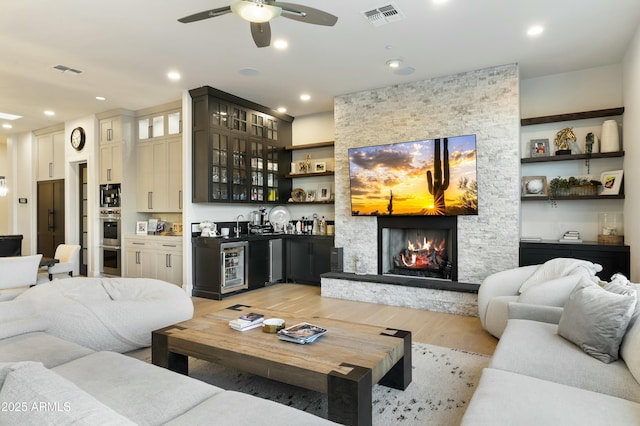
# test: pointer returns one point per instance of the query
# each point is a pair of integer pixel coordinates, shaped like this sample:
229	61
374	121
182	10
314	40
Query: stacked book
301	333
247	321
571	237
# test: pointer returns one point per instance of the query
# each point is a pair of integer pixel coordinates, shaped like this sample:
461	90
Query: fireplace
418	246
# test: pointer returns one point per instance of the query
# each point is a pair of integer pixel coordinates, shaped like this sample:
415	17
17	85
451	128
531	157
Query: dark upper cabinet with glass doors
238	150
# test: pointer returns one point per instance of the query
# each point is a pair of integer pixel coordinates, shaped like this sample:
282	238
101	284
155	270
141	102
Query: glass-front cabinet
167	123
238	149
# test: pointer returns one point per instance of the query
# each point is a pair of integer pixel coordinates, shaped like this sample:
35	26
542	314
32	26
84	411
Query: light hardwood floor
453	331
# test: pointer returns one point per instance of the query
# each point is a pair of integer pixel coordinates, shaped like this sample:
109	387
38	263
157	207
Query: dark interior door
50	216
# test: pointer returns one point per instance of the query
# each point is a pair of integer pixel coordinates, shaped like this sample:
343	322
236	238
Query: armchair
68	255
548	284
17	273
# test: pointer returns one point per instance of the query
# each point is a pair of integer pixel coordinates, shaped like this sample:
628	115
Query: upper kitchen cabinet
159	159
50	145
116	133
238	149
160	124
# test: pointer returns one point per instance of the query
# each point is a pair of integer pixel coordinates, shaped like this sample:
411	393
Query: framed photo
141	227
535	186
611	182
153	225
324	193
319	167
539	147
311	195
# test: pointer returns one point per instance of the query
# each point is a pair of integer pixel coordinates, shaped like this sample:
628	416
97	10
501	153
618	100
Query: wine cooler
234	266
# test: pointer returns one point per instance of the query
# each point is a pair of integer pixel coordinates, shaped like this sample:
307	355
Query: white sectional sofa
538	377
49	380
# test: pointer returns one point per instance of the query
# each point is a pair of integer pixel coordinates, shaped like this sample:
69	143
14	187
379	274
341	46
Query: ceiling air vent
64	68
383	15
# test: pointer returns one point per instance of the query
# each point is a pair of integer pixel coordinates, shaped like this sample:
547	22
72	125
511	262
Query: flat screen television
425	177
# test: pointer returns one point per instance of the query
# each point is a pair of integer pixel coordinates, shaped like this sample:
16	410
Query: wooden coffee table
345	363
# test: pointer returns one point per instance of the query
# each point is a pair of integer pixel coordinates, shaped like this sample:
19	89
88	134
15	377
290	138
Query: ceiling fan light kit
260	12
257	11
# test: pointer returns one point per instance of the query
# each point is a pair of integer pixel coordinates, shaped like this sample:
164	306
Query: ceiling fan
260	12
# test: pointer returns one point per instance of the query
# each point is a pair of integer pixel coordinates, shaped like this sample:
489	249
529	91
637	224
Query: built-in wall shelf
310	202
302	175
576	197
572	157
309	146
610	112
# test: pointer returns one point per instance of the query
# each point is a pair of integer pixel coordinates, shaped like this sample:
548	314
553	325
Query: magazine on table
301	333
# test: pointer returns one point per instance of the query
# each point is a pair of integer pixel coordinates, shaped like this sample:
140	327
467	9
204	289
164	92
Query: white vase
610	140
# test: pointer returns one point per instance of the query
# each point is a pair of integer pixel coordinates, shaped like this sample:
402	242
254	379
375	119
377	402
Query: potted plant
571	187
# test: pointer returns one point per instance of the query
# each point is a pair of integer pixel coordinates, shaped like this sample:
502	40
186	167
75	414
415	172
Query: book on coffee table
301	333
247	321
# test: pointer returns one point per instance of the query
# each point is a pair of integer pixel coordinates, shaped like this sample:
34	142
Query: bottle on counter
314	225
298	227
322	229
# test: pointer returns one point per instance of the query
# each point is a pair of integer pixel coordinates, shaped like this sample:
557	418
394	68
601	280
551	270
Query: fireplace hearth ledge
433	295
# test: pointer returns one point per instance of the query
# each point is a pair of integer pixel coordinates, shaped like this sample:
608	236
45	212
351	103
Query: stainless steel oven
110	241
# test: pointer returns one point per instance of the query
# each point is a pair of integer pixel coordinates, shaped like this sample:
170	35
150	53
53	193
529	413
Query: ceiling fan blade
261	33
205	15
306	14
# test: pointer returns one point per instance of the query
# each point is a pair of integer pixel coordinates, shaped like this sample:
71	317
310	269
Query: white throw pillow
550	293
560	267
596	319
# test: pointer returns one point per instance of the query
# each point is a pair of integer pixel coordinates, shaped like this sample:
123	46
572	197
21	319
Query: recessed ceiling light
101	98
305	97
248	71
281	44
7	126
6	116
173	75
394	63
282	109
535	30
49	113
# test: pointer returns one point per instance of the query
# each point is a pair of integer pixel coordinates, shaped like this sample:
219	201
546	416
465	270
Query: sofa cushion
534	349
560	267
596	319
34	395
504	398
40	347
232	409
551	293
143	393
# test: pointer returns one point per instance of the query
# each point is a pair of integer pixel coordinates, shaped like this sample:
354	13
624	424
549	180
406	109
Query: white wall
21	184
585	90
631	133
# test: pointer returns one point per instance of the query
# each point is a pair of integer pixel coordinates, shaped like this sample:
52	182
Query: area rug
444	380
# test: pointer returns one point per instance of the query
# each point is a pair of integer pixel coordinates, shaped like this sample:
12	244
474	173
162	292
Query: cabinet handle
150	131
109	134
50	169
50	220
222	271
149	200
180	199
137	258
168	260
169	245
109	174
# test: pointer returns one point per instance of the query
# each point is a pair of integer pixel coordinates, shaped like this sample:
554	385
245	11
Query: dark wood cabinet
259	259
238	149
50	216
613	258
307	257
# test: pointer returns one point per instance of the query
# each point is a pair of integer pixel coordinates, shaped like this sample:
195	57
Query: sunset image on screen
428	177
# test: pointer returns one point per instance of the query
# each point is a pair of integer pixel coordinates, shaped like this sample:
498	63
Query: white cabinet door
169	266
50	156
111	130
174	174
111	163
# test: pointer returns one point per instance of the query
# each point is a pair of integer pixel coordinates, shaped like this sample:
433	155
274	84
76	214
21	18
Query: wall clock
78	138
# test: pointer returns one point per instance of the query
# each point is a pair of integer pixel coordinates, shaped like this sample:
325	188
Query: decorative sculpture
563	139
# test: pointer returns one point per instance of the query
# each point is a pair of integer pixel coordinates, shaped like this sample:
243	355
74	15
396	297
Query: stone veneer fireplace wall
483	102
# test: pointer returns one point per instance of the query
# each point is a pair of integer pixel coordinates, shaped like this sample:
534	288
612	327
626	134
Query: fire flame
423	254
